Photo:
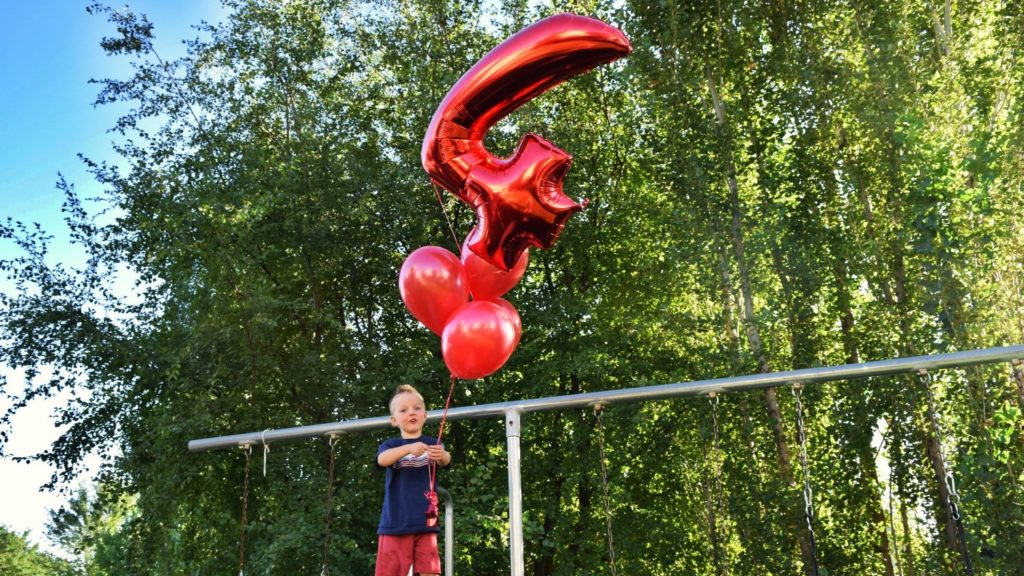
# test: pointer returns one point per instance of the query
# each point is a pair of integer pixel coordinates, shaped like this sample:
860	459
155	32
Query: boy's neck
412	436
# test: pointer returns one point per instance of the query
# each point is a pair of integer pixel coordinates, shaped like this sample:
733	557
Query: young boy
404	537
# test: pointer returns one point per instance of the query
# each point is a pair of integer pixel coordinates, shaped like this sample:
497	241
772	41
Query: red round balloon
517	322
433	286
478	339
518	201
486	281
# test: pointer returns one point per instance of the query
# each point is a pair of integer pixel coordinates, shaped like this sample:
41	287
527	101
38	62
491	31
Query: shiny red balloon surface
479	338
518	201
517	322
433	285
486	281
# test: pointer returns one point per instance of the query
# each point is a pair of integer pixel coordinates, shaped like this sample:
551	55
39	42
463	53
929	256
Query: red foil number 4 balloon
518	201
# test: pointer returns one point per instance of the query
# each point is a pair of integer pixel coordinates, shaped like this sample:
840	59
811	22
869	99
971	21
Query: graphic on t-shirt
410	461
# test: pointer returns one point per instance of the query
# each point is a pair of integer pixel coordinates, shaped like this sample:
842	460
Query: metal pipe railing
638	394
513	411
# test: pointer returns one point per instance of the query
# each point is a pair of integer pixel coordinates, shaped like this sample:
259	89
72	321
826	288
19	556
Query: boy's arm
392	455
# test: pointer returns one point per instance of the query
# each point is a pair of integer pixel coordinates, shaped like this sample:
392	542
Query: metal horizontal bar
638	394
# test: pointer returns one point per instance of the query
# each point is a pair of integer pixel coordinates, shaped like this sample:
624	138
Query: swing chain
331	441
598	411
713	400
807	493
245	510
952	497
717	508
1017	368
715	451
802	439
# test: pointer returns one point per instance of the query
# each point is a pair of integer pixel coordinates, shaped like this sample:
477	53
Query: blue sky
49	50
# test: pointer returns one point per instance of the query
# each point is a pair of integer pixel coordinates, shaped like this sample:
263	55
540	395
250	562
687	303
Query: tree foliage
772	186
89	527
19	557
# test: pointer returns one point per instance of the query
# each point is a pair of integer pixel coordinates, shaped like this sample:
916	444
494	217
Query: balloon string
437	194
440	433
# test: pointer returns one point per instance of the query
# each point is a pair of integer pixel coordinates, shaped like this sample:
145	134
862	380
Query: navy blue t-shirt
405	485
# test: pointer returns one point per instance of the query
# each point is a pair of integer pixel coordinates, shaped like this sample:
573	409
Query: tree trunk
750	325
583	492
841	273
908	548
1018	376
939	467
869	468
545	563
790	302
729	329
869	474
711	492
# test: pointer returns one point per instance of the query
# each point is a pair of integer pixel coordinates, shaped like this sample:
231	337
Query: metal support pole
513	430
449	531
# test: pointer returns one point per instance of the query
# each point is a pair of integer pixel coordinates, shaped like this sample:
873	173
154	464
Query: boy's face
408	414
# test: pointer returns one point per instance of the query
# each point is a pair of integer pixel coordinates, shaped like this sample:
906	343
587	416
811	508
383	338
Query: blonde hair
402	389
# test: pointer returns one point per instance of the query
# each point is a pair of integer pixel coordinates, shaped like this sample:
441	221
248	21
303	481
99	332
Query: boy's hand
418	448
438	454
435	452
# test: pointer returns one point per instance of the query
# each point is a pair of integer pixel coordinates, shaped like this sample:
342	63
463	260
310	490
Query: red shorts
396	553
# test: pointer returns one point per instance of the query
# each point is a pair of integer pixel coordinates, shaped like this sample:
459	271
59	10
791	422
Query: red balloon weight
486	282
433	286
518	201
478	339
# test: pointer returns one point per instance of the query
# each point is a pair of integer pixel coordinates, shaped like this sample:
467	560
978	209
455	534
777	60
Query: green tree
90	527
771	186
19	557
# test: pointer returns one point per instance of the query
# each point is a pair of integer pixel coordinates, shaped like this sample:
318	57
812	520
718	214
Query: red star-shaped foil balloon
519	201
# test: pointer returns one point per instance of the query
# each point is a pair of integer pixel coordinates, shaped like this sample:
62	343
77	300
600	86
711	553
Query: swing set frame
513	412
